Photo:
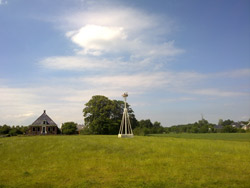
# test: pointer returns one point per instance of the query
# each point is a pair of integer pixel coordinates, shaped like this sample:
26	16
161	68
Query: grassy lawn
106	161
216	136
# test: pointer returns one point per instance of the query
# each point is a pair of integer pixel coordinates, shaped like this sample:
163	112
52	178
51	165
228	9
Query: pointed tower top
125	94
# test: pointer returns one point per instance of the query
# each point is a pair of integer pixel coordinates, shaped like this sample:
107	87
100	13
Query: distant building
246	127
237	125
218	127
79	128
44	125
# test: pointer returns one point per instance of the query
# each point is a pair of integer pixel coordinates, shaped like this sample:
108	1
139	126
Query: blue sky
176	59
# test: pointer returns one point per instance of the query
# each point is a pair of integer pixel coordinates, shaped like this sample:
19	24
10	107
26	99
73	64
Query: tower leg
125	128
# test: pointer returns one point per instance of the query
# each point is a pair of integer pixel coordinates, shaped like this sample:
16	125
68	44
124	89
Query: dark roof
44	119
237	125
218	127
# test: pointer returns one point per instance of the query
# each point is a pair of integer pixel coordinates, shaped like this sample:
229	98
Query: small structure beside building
44	125
79	128
246	127
237	125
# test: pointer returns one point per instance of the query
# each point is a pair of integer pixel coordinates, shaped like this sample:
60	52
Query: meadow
170	160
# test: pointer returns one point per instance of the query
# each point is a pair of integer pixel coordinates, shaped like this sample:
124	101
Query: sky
178	60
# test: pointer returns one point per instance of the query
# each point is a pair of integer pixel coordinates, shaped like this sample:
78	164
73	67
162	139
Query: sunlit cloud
132	20
95	39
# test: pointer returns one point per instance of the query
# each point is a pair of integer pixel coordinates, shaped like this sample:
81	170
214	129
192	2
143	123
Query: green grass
106	161
215	136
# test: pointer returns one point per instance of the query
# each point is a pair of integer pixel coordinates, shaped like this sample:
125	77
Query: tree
5	129
229	129
69	128
157	124
227	122
15	131
103	116
146	123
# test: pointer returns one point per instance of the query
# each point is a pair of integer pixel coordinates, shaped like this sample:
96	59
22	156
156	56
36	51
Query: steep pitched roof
44	119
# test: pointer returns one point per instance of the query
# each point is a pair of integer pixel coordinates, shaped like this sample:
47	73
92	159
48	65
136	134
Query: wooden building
44	125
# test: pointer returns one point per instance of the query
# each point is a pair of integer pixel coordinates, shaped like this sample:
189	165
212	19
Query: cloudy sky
176	59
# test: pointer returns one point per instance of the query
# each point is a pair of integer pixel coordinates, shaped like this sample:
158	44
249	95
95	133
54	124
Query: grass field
209	136
200	160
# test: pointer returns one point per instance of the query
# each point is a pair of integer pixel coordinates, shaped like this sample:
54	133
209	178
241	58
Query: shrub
13	132
141	131
69	128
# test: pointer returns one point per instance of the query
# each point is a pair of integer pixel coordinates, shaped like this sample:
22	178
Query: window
33	129
53	128
49	129
44	122
38	128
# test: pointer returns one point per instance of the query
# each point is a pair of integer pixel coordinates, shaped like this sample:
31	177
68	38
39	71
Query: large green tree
103	116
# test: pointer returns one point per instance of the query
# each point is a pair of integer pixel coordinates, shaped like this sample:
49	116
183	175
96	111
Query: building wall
38	130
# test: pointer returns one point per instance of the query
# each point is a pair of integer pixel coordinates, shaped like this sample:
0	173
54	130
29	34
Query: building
219	127
44	125
79	128
237	125
246	127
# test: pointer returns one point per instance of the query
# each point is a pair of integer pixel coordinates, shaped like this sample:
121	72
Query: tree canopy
103	116
13	131
69	128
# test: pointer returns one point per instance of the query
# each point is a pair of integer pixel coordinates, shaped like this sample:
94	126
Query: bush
141	131
69	128
229	129
241	131
13	132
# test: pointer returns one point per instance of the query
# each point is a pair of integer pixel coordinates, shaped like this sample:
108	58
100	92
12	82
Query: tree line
203	126
13	130
103	116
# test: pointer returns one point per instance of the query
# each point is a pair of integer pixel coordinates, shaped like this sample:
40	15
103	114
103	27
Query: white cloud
74	63
178	99
218	93
235	73
131	20
64	98
115	39
136	82
3	2
95	39
120	30
24	105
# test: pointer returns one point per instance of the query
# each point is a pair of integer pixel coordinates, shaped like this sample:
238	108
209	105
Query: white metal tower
125	129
